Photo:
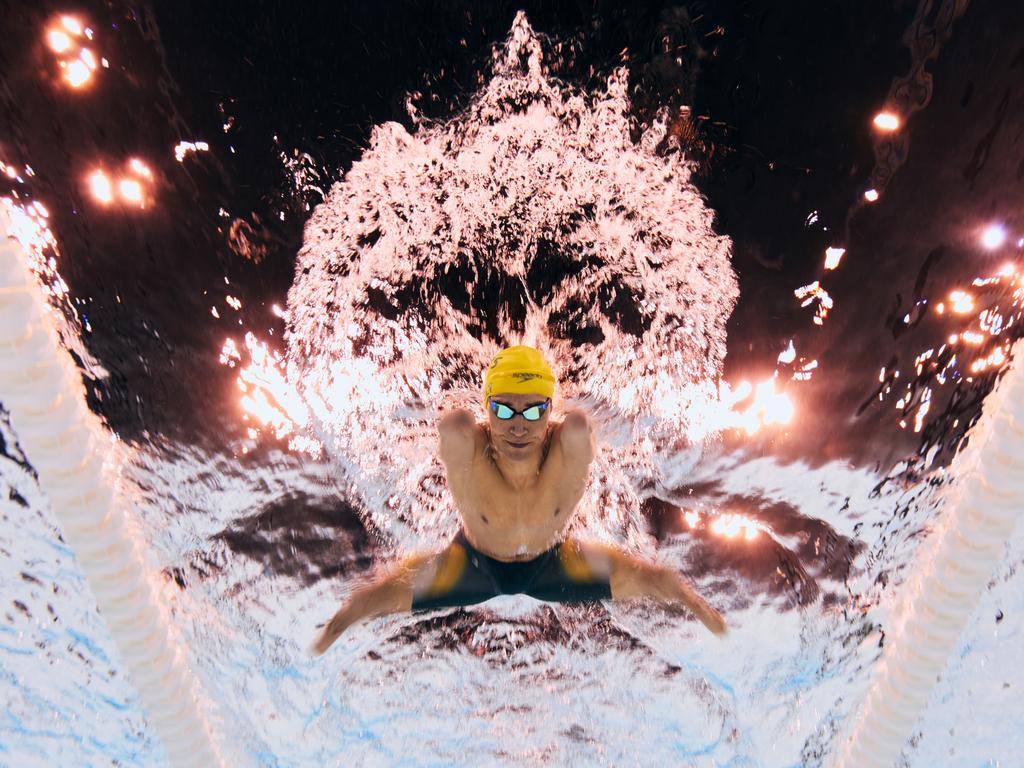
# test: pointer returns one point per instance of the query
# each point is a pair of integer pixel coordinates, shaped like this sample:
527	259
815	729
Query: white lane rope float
948	579
66	444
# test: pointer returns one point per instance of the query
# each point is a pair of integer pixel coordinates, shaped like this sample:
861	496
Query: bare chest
515	522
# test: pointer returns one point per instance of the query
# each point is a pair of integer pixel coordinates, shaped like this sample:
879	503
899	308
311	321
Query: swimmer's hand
390	592
326	638
631	577
707	615
713	620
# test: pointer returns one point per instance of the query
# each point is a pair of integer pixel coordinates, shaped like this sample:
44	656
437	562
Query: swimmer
516	481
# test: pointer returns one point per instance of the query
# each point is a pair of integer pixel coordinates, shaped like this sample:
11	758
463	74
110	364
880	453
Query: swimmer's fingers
321	644
319	647
713	620
707	615
331	632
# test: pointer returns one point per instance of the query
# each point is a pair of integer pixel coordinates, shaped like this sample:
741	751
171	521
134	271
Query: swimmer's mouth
517	445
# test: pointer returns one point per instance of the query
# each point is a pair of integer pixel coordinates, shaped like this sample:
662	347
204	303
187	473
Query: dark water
781	101
772	101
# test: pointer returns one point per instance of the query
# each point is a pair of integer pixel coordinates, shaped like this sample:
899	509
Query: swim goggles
531	413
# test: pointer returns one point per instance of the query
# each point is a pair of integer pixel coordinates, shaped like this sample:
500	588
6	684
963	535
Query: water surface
783	319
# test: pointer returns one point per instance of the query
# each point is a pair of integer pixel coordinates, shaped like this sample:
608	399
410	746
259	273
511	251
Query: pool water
281	242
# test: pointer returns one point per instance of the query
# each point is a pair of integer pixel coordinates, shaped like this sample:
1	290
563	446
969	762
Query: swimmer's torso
517	524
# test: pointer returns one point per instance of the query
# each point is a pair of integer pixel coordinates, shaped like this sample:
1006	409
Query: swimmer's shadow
798	558
522	641
303	539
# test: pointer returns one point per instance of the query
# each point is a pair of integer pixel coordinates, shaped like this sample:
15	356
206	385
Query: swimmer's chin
518	455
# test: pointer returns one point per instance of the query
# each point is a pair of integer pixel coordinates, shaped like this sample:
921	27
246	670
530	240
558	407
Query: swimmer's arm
459	438
389	593
576	435
631	578
457	417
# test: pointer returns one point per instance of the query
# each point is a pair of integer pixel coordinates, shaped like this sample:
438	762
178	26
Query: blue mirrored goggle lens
532	413
503	412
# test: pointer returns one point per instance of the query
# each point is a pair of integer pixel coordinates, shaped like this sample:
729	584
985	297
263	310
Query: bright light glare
71	24
130	190
788	355
184	147
77	73
997	358
267	395
87	58
767	407
730	526
774	408
871	195
59	41
886	121
993	236
141	168
833	256
101	187
962	302
742	391
77	63
808	294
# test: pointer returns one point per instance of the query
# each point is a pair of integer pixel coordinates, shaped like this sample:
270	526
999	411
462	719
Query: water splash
530	217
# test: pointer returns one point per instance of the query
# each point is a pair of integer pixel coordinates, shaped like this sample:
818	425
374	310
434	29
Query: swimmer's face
517	438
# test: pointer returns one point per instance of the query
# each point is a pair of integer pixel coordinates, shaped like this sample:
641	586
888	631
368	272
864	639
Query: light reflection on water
531	216
379	341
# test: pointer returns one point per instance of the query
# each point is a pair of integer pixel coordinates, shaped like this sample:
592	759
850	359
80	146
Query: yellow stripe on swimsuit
449	572
573	562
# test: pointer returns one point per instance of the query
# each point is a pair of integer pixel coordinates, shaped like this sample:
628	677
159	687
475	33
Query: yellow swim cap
518	370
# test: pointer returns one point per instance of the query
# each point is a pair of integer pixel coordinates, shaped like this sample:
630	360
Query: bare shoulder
461	438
